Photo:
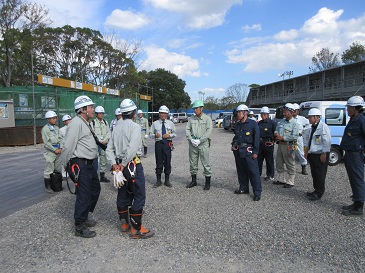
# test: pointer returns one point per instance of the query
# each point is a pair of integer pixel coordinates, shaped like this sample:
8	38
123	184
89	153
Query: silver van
180	117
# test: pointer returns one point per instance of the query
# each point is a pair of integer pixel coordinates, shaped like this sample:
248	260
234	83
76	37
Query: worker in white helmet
143	122
66	119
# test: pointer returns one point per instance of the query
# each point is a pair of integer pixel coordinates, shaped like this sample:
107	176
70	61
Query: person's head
118	113
242	111
198	107
314	115
251	114
66	119
51	117
264	112
84	106
296	108
163	112
128	109
100	112
355	105
140	113
289	111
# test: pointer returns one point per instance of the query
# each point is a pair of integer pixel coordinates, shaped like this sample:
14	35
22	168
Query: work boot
158	182
83	231
137	230
207	183
47	184
124	220
304	170
103	178
167	181
145	152
355	210
193	182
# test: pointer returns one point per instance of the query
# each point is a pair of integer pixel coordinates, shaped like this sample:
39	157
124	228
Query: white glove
118	179
197	142
193	143
145	136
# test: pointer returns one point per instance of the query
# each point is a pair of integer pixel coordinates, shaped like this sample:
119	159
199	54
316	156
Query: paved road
21	179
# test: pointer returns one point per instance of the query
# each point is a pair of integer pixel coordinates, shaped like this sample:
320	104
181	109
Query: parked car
180	117
227	122
219	120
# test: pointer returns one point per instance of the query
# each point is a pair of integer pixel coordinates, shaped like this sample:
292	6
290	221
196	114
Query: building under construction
338	83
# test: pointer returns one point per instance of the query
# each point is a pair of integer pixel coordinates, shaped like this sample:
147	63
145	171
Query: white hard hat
265	110
290	107
355	101
118	112
242	107
251	113
82	101
314	112
164	109
127	105
99	109
66	117
296	106
51	114
139	111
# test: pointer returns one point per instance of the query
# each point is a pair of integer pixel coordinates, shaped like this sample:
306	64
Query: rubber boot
83	231
144	152
193	182
137	230
124	220
47	184
167	181
304	170
103	178
356	209
207	183
158	182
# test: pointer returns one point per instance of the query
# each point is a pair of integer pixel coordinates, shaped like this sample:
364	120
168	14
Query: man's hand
157	135
323	157
166	136
58	151
254	156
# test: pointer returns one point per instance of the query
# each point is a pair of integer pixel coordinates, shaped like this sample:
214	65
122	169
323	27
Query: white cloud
178	64
71	12
298	46
198	14
254	27
126	19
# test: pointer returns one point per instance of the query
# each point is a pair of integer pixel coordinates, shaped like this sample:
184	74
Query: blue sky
213	44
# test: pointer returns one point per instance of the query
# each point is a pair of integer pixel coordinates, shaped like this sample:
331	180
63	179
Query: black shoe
84	232
309	193
256	198
168	184
90	223
278	183
157	184
191	184
353	212
348	207
241	192
314	197
104	179
288	186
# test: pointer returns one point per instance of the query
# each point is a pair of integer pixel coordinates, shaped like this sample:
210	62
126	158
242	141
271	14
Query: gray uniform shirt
79	141
51	137
321	139
157	128
125	142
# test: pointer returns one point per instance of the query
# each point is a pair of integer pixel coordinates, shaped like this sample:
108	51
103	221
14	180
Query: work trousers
283	157
88	189
102	160
53	163
354	163
132	193
248	170
201	151
163	157
318	171
266	153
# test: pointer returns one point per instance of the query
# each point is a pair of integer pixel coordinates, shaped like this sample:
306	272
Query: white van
180	117
334	114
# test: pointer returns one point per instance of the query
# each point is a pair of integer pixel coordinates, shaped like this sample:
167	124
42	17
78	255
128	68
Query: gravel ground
196	230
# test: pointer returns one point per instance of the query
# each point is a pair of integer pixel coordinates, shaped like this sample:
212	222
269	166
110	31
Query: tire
335	157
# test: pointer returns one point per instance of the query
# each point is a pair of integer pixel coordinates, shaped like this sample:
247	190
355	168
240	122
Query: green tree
211	103
323	60
355	53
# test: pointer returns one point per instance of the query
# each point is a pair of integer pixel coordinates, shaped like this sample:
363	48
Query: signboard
144	97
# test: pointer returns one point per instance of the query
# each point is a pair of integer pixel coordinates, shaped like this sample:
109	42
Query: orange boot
124	219
137	230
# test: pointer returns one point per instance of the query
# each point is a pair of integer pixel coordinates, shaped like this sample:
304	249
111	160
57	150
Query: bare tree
323	60
238	92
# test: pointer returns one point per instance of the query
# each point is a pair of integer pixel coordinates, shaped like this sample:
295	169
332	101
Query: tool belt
237	146
81	161
136	160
